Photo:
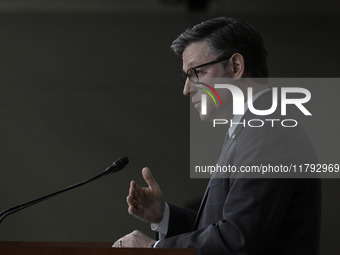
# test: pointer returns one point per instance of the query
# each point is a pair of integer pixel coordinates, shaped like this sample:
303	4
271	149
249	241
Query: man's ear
236	66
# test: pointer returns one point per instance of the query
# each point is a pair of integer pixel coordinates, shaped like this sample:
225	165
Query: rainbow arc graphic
209	93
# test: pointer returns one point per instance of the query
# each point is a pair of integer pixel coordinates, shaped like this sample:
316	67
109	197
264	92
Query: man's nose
189	87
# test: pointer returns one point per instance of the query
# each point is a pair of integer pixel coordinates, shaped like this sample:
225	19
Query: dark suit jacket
252	215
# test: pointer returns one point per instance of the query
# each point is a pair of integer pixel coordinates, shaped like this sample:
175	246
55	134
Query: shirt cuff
155	244
162	227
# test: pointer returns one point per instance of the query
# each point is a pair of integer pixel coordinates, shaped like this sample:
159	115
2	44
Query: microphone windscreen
118	165
122	162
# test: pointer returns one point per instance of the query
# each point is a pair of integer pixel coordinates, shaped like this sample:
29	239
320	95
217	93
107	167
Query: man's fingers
135	208
132	210
135	191
116	244
135	212
134	239
149	179
131	201
132	189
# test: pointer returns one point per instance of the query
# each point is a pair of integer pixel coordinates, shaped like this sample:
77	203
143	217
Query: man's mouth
197	104
195	101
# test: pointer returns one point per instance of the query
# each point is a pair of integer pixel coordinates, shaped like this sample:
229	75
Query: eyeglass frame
185	75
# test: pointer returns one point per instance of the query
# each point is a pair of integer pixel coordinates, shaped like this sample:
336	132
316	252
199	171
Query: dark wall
78	90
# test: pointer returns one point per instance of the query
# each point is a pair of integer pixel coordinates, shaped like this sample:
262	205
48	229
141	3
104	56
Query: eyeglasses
192	73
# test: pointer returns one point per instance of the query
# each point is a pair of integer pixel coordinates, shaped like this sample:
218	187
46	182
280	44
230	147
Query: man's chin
211	116
206	117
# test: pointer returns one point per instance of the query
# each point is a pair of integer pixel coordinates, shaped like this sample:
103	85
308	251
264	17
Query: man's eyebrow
190	65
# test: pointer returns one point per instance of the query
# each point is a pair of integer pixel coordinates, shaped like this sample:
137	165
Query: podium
81	248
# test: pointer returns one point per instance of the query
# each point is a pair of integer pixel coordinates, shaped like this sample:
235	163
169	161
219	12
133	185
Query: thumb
149	179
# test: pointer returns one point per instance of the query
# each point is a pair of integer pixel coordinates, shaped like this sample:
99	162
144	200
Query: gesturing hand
146	204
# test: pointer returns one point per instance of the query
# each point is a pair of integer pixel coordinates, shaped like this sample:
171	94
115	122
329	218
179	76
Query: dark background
85	82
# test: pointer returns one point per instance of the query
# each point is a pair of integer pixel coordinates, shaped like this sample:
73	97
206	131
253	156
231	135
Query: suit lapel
226	146
201	207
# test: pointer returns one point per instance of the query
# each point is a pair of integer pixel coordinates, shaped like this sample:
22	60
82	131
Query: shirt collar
238	117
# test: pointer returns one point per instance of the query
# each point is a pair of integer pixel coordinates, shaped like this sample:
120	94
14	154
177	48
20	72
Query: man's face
196	54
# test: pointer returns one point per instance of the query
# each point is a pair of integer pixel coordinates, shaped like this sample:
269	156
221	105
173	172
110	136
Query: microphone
116	166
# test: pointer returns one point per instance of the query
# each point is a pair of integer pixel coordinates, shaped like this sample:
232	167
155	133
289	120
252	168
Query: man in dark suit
237	215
